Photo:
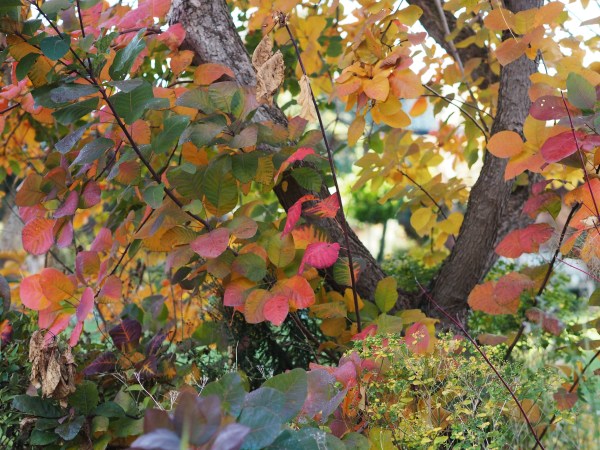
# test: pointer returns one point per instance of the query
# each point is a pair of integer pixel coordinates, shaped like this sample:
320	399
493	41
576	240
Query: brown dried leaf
51	377
305	100
269	77
263	51
51	370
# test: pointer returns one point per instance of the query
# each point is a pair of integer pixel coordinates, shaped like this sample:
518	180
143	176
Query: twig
484	356
283	22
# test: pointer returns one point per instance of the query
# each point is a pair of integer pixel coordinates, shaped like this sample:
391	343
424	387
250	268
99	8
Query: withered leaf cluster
305	100
269	70
51	369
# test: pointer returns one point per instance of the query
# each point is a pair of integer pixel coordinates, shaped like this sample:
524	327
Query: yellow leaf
419	107
349	300
505	144
499	19
356	130
305	100
406	84
377	88
421	219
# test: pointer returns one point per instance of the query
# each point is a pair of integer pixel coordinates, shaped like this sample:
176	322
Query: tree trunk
490	200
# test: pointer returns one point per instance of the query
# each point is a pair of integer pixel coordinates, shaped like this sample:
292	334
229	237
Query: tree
178	196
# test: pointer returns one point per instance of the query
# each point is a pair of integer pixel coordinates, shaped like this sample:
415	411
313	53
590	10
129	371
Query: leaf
93	151
36	406
180	61
211	244
377	88
505	144
276	309
327	207
85	398
560	146
501	296
125	57
548	322
525	240
580	92
30	292
154	195
320	255
264	427
38	235
270	70
220	188
173	127
105	363
386	294
69	206
55	47
71	113
294	385
208	73
56	286
244	166
551	107
230	390
131	105
160	438
510	50
418	338
70	92
564	399
281	250
305	100
499	19
126	334
250	265
231	437
69	430
30	192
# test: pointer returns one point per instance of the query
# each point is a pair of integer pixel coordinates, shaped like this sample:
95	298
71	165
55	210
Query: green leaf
266	397
198	99
25	65
173	128
264	425
36	406
125	57
220	187
127	85
110	410
69	430
308	178
202	134
71	113
70	92
251	266
186	184
580	91
55	47
52	7
294	384
131	105
93	150
244	166
386	294
67	143
230	391
85	398
209	333
39	437
154	195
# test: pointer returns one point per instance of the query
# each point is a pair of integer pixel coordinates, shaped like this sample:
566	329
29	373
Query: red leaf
75	334
327	207
237	291
565	399
31	293
502	296
91	194
173	37
417	338
85	305
212	244
103	241
525	240
551	107
276	309
145	13
54	319
560	146
63	232
320	255
37	236
126	334
112	288
548	322
369	330
297	290
69	206
294	212
298	155
104	363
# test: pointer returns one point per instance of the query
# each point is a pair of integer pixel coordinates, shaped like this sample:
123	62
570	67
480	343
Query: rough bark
211	34
491	201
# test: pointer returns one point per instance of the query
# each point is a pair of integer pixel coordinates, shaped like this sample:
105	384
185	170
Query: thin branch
283	22
487	360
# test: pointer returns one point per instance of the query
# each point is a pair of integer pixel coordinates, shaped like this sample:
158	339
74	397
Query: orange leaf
501	296
180	61
37	235
210	72
510	50
31	293
499	19
505	144
565	399
525	240
56	286
377	88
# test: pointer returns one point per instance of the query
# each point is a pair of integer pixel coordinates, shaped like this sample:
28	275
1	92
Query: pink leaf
417	338
91	194
85	305
103	241
237	291
525	240
87	263
548	322
550	107
145	13
298	155
112	288
212	244
369	330
69	206
31	293
173	37
75	334
63	232
560	146
294	212
320	255
37	236
276	309
327	207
